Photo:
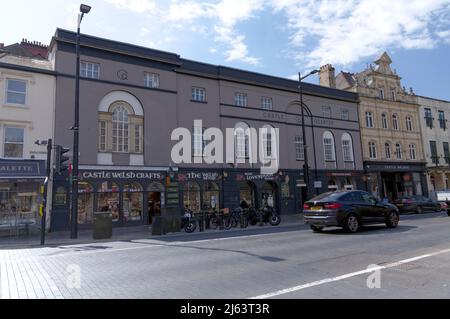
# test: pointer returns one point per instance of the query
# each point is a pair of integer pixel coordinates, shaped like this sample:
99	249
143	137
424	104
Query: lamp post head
85	9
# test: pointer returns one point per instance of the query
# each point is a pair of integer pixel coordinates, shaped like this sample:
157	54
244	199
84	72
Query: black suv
350	210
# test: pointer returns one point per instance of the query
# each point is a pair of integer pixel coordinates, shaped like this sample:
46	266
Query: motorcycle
188	222
269	215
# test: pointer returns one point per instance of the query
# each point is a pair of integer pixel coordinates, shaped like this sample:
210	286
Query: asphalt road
285	262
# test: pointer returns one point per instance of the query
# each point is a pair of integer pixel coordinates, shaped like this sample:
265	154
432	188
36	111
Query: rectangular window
267	103
137	138
198	142
16	91
428	118
382	94
446	152
151	80
102	136
329	152
393	95
326	111
90	70
198	94
345	115
299	148
241	99
434	154
442	122
14	139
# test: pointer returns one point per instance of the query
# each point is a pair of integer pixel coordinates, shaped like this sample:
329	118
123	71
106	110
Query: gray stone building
132	98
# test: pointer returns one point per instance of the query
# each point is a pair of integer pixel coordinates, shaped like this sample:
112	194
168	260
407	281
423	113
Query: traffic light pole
44	201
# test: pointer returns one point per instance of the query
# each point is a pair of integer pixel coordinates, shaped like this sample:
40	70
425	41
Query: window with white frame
137	138
267	103
299	148
16	91
345	115
412	151
241	99
13	142
409	126
369	119
372	150
328	144
326	111
384	121
198	94
267	142
398	151
387	150
151	80
395	125
198	142
347	147
90	70
242	143
121	123
102	136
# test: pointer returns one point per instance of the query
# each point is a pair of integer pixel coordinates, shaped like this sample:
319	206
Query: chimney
327	76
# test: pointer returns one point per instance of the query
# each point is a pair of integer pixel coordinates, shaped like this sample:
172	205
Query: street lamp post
84	9
305	147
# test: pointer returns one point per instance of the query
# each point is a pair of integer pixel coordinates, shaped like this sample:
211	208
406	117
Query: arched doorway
211	196
108	199
133	202
155	198
349	184
247	193
191	196
269	194
332	185
85	203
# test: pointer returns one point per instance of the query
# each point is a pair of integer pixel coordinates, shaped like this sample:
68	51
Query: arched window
409	126
121	126
412	151
242	140
398	151
395	122
372	150
347	147
269	141
328	145
384	121
387	150
369	119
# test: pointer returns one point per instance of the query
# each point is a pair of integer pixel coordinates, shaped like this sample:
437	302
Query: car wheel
392	221
316	229
351	223
419	210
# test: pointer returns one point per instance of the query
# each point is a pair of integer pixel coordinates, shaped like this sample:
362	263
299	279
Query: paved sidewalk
133	233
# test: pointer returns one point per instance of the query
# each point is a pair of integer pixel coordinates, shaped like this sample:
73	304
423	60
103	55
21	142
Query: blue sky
277	37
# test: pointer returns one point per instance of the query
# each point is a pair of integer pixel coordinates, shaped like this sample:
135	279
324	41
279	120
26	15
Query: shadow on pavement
369	230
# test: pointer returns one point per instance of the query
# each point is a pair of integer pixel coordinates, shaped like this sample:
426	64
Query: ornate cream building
392	146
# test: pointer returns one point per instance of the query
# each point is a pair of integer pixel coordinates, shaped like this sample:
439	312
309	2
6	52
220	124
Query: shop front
132	197
20	194
393	181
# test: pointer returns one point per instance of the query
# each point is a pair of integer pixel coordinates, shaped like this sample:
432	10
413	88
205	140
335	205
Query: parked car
417	204
350	210
443	197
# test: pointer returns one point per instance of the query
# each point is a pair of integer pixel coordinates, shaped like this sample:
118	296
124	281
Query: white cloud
346	31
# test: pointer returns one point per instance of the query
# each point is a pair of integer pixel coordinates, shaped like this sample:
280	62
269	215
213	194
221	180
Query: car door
368	210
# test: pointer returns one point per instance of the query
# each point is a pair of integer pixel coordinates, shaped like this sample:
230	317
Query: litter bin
102	225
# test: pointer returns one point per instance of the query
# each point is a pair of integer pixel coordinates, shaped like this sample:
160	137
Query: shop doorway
155	201
247	194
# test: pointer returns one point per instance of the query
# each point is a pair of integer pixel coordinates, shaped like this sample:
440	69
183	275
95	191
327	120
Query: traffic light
61	161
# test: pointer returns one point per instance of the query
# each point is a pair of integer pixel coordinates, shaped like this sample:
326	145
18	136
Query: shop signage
208	176
22	168
318	184
122	175
252	177
342	174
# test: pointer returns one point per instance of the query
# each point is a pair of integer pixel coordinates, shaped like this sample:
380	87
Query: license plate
316	208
